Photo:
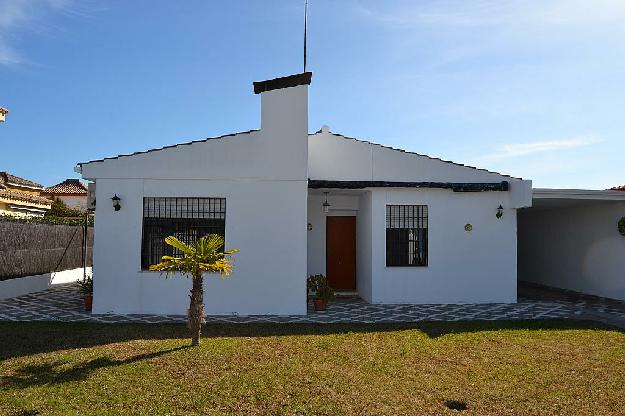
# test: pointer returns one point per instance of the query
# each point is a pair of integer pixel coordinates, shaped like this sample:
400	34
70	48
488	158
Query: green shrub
48	220
319	285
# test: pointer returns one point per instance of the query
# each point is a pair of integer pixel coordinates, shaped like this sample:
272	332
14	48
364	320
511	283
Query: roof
283	82
24	197
454	186
167	147
414	153
7	178
255	130
618	188
67	187
588	194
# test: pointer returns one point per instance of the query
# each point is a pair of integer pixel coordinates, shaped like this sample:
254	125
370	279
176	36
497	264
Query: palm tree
203	255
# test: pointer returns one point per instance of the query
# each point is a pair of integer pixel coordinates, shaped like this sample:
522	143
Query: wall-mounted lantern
116	205
326	204
499	212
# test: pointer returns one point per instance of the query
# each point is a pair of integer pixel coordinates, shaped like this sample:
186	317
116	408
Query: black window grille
406	235
185	218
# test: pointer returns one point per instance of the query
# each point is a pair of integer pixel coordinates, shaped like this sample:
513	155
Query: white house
390	225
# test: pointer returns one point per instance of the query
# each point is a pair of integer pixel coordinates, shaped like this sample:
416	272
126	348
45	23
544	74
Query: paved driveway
63	303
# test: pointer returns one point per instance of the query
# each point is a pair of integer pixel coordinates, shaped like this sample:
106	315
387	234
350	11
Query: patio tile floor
63	303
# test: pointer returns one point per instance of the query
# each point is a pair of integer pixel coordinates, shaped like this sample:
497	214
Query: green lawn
502	368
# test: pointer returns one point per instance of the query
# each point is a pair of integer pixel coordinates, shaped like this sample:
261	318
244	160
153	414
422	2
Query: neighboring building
71	191
20	197
618	188
390	225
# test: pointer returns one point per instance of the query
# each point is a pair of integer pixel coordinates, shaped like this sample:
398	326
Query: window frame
171	224
416	216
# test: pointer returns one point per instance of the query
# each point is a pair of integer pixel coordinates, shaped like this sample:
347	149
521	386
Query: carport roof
587	194
544	198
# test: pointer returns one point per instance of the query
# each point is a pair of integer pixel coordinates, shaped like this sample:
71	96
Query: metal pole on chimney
305	29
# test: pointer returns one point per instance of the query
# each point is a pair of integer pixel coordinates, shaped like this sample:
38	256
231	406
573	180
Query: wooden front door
341	252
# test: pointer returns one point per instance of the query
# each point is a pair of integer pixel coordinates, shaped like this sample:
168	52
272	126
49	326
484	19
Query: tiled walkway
63	303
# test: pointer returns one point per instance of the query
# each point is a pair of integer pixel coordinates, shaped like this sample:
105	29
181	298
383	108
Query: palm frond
174	242
203	255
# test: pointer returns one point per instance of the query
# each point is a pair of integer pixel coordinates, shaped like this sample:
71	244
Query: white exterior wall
333	157
364	247
265	220
463	267
262	175
577	248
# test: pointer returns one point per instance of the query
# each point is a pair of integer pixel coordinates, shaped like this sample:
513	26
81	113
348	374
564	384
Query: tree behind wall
60	210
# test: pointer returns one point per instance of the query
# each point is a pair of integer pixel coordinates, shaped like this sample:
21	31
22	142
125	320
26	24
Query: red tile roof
67	187
7	178
13	195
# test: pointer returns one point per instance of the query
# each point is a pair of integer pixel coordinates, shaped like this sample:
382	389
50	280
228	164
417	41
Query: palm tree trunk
196	308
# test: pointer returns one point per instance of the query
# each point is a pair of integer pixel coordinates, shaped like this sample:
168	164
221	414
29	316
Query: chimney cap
283	82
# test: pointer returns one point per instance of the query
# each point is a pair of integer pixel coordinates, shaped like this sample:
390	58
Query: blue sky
529	88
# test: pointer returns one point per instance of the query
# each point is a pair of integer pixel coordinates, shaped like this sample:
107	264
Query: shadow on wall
24	339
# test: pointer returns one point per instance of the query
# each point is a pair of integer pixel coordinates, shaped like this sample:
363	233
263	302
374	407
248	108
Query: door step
346	293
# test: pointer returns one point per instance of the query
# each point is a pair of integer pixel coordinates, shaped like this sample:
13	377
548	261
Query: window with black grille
185	218
406	235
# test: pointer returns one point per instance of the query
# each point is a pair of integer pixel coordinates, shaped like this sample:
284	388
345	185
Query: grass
486	368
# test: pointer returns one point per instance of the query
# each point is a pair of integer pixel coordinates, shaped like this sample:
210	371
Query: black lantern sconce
116	205
326	204
499	212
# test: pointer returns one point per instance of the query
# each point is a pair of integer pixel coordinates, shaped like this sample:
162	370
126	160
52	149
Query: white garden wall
30	284
575	247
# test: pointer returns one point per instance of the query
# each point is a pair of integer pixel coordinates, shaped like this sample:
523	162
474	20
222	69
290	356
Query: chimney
283	99
284	119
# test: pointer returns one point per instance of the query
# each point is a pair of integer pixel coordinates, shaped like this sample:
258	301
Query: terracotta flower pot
88	302
320	304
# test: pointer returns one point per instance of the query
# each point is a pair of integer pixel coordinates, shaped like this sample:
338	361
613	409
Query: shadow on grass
53	372
29	338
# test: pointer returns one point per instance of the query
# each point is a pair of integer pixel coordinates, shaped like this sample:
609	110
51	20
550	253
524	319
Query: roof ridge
416	154
70	186
156	149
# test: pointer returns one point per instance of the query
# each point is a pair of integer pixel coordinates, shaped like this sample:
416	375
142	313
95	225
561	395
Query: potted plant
323	293
86	288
